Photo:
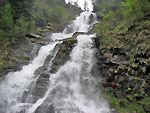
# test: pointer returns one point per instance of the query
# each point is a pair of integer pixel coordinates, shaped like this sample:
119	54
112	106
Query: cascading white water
84	19
83	4
16	83
72	89
80	24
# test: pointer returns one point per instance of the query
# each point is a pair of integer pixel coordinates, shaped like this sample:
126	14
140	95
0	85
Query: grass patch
122	105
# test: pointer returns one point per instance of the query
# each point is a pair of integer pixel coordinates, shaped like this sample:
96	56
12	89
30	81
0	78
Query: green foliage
6	17
60	14
138	9
127	106
1	32
107	5
11	26
131	11
18	17
22	26
110	21
21	8
128	13
135	10
52	14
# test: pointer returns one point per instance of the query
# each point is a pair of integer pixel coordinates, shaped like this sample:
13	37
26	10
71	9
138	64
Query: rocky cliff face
24	50
21	52
124	62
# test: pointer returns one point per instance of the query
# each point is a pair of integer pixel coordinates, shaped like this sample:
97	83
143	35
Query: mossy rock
63	53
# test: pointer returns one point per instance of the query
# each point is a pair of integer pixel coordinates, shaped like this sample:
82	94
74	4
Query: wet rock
41	86
11	68
22	51
63	53
46	34
32	36
91	19
34	51
45	109
95	71
77	33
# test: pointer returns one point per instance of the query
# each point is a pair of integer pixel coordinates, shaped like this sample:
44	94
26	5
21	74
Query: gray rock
32	36
45	109
119	59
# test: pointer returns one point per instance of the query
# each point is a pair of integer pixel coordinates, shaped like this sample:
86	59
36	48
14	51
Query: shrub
6	17
135	10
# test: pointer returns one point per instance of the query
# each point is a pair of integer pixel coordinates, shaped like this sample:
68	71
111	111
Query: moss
69	39
54	66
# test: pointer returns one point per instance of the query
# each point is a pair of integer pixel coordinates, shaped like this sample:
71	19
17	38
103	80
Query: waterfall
83	4
16	83
72	89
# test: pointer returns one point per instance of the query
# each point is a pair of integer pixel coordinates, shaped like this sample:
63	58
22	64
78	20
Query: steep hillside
123	42
17	18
